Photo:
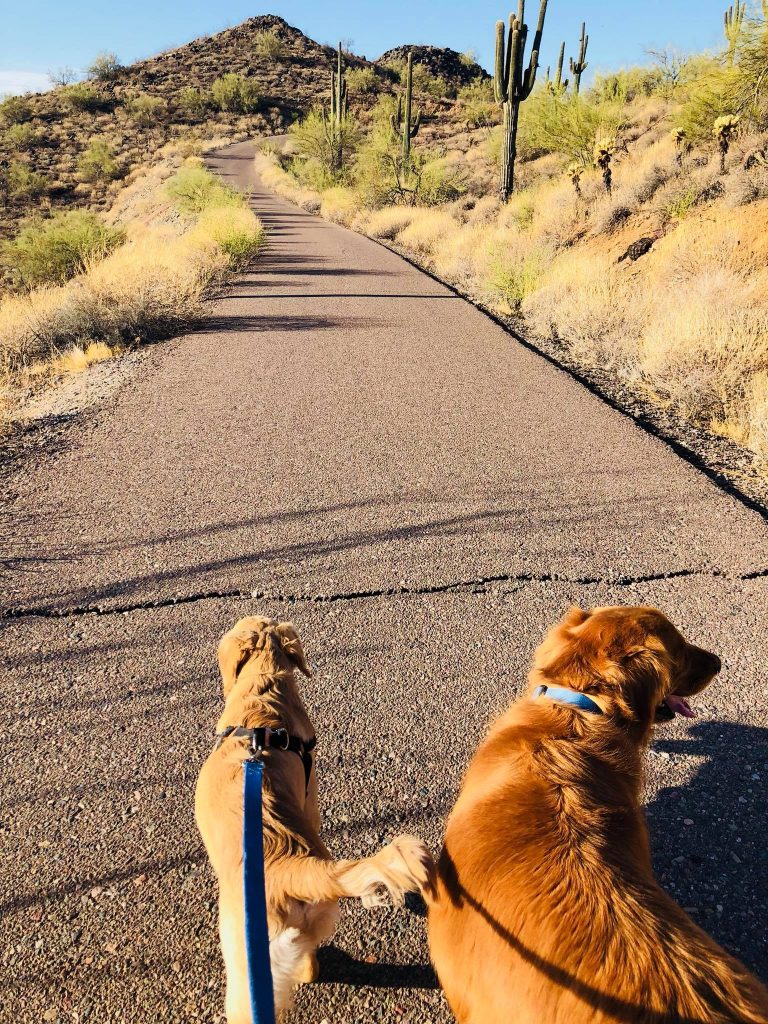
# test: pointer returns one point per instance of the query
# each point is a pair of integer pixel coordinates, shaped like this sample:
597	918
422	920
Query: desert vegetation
632	234
89	286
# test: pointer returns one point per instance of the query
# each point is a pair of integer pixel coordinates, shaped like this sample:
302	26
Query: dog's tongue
680	706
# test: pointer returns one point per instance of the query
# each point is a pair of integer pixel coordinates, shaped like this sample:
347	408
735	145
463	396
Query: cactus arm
500	76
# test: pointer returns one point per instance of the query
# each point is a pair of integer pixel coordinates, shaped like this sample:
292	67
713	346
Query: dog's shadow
708	835
338	967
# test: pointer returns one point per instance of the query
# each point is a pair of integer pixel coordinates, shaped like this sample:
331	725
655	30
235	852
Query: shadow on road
717	867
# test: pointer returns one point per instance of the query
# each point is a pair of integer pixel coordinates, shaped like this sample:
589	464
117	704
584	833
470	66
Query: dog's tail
405	865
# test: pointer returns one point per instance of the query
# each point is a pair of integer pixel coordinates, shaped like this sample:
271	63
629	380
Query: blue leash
256	934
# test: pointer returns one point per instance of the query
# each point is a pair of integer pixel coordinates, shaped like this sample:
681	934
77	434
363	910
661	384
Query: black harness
265	738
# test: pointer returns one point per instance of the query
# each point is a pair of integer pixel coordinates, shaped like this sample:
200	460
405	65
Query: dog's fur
257	659
545	908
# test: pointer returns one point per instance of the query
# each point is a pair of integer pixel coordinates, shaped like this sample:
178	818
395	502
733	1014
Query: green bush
98	162
317	144
194	189
145	110
235	94
24	183
105	67
566	124
52	251
15	109
80	96
192	102
425	81
21	137
710	90
362	81
478	106
627	84
269	44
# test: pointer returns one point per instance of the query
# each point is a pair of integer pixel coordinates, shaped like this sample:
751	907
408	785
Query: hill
77	144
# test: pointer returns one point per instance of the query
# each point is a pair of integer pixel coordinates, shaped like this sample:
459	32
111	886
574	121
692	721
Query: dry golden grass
151	287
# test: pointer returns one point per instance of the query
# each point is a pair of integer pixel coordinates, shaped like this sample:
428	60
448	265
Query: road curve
347	443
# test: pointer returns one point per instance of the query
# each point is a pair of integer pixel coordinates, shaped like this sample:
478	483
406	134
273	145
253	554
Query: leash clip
256	749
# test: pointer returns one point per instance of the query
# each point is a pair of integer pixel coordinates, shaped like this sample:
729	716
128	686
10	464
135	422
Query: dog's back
545	907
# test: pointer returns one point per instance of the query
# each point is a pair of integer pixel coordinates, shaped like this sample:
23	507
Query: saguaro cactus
558	85
513	85
732	20
339	110
401	121
578	67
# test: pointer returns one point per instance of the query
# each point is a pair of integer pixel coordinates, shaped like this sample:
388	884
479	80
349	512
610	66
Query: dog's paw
408	866
377	897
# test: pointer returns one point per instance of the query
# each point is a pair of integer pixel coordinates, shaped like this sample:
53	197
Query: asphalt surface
347	444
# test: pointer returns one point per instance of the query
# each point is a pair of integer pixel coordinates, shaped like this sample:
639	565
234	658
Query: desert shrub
432	85
80	96
145	110
567	124
192	102
318	142
21	137
52	251
62	76
389	221
24	183
743	187
426	230
362	81
477	104
105	67
151	287
233	228
269	44
626	85
15	110
235	94
99	162
339	205
710	90
194	189
513	273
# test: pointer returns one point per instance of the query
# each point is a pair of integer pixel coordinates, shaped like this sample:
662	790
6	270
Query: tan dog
546	910
303	884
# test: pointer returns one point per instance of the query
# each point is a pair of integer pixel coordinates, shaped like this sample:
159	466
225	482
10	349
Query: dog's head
267	646
632	661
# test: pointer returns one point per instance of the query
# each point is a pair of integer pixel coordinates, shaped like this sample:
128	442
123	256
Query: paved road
346	443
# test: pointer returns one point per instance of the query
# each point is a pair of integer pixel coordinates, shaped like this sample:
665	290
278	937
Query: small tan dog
546	909
257	659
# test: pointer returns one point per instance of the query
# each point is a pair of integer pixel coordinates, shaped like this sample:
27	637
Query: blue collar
565	696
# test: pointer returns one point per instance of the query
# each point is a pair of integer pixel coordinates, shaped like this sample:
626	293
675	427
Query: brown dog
257	659
545	909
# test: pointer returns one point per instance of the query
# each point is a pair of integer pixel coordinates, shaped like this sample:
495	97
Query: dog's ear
291	645
644	678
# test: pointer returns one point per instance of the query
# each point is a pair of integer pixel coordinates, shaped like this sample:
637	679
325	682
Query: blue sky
47	34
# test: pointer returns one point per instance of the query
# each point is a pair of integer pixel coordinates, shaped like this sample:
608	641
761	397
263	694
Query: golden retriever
257	659
545	909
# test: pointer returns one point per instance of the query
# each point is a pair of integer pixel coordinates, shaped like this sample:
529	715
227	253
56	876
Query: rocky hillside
456	69
77	144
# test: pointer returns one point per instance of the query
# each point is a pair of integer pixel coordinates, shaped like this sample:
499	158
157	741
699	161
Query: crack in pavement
476	586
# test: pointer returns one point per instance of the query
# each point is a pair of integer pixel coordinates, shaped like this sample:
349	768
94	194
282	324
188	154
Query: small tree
81	97
21	137
105	67
319	143
98	163
24	183
268	43
15	110
192	102
235	94
62	76
145	110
